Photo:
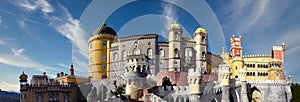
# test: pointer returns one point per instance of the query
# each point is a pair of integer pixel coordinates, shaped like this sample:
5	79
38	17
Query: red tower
278	52
236	48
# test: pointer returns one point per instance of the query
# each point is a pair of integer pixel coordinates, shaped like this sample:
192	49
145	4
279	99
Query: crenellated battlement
268	82
277	48
258	55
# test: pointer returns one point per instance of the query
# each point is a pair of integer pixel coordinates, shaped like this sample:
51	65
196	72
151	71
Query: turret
236	46
135	74
200	37
278	52
176	52
223	77
99	52
23	79
236	66
194	80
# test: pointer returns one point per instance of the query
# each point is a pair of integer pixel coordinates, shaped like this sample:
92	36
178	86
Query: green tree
119	89
295	92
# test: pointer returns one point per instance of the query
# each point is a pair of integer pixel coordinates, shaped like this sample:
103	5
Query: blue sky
47	35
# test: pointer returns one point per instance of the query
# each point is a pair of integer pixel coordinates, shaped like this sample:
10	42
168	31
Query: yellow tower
236	66
99	52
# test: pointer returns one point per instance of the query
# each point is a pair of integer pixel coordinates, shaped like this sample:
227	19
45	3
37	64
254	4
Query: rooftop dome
23	77
174	25
105	30
200	30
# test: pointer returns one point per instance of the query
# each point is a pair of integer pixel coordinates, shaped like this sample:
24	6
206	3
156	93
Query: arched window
103	76
203	55
103	57
40	98
124	54
175	62
162	53
144	68
91	45
190	53
104	43
149	53
115	56
138	69
127	70
176	52
66	97
136	51
203	39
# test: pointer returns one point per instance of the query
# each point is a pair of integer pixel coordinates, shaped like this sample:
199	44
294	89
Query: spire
104	23
72	70
223	50
283	46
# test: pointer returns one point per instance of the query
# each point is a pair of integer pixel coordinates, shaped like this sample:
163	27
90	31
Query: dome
175	25
200	30
105	30
23	77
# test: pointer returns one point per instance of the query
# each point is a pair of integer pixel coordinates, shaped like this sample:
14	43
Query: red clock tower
236	48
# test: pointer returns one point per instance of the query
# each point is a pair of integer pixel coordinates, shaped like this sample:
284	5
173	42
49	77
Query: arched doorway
256	95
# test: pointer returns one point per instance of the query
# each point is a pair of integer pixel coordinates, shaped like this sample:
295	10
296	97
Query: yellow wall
96	51
72	80
237	64
256	60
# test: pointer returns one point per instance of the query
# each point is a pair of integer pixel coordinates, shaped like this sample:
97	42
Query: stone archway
256	95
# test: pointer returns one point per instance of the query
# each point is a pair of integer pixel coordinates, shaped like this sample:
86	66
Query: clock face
277	73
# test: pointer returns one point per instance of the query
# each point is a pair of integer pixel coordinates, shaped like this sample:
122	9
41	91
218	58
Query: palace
180	69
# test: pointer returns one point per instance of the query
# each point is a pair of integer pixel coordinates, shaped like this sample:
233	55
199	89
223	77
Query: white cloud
9	87
257	12
168	12
45	6
64	24
21	23
243	14
18	59
27	4
62	65
80	65
2	42
35	4
69	27
17	52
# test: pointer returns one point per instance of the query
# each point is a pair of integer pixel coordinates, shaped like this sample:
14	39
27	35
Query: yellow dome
23	76
175	25
201	30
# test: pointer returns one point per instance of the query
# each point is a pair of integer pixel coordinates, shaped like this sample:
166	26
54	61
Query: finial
72	65
104	23
223	50
283	44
